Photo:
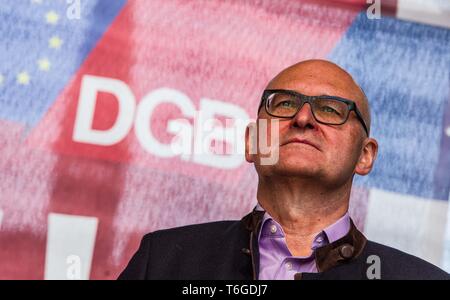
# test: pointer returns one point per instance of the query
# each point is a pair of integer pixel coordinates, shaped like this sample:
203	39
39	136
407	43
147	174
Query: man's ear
367	157
250	142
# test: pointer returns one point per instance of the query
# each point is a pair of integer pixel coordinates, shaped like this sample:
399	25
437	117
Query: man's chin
306	170
297	173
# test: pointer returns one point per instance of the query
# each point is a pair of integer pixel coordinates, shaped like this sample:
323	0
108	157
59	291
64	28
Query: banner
93	92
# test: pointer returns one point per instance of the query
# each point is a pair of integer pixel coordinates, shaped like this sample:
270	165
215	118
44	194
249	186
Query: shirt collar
331	233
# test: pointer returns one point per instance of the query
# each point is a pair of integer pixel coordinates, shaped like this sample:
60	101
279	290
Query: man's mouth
300	141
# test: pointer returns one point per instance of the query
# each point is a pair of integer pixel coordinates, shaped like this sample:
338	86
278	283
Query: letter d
90	86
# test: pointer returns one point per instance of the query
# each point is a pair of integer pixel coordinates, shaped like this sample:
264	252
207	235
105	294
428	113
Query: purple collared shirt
275	259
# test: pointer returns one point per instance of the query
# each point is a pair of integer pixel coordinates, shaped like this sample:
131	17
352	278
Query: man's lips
300	141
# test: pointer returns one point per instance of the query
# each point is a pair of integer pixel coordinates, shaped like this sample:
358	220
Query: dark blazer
229	250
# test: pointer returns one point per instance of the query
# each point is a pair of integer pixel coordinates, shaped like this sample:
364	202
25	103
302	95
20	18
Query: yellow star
44	64
52	17
23	78
55	42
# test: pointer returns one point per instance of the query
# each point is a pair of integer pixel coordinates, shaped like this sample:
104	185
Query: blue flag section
404	69
42	44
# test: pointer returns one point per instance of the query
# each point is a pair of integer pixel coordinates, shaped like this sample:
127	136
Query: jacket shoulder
183	252
195	229
396	264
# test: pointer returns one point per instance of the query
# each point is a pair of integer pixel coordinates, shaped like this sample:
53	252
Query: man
300	228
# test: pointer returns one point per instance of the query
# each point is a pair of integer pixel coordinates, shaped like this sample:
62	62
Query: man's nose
305	118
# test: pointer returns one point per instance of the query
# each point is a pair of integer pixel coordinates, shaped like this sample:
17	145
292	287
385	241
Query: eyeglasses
330	110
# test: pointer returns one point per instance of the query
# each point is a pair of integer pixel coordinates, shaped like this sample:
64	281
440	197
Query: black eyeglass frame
309	99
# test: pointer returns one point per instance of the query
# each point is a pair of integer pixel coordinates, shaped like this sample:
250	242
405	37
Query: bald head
320	77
